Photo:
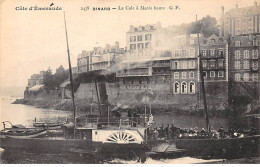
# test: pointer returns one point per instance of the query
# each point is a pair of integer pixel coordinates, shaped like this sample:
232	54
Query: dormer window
212	40
237	43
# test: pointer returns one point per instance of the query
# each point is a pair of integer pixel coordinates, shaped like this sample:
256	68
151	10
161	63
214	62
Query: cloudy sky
31	41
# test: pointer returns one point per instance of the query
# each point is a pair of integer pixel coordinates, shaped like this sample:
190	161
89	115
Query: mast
71	79
202	81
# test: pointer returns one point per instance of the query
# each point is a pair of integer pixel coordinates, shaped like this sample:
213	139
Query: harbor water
25	115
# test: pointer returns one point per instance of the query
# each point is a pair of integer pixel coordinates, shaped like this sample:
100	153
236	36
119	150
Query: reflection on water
25	115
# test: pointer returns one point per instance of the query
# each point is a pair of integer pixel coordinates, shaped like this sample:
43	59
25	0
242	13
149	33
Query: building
83	61
244	58
36	79
184	65
146	62
214	52
239	21
60	70
103	59
99	59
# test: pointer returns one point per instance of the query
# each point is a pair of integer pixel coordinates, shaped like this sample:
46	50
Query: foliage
53	81
207	24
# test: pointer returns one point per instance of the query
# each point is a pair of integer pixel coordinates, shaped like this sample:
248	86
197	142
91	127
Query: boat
20	131
46	125
88	134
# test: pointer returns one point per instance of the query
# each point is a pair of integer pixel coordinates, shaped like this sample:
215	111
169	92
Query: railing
115	122
162	64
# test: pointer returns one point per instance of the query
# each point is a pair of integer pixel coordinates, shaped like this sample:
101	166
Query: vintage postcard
129	81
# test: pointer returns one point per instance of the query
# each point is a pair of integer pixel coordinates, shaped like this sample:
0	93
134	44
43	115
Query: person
173	131
161	132
221	132
203	132
156	133
166	132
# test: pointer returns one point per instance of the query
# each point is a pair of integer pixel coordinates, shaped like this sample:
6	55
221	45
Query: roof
245	40
36	87
245	11
65	83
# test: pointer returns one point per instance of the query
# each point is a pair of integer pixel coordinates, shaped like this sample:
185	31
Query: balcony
132	74
166	64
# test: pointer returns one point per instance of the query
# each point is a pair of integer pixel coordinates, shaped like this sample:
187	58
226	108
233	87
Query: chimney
222	10
236	5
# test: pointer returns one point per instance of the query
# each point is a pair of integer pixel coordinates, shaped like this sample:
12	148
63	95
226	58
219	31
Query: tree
207	26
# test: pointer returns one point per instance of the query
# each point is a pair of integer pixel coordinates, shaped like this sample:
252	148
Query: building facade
239	21
244	58
36	79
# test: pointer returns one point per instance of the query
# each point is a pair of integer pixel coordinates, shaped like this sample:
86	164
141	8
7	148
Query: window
237	43
176	88
148	37
132	39
191	40
255	65
139	38
212	52
238	32
212	74
204	53
192	88
255	54
249	22
184	53
177	53
221	52
244	31
184	64
204	74
249	31
140	46
212	63
237	64
187	52
204	63
183	75
147	45
246	54
176	65
132	47
246	77
132	82
221	74
191	74
212	40
192	64
257	42
183	88
176	75
237	54
220	63
255	76
237	77
192	52
246	64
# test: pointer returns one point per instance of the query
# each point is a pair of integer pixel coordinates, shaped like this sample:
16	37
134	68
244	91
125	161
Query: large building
244	58
239	21
36	79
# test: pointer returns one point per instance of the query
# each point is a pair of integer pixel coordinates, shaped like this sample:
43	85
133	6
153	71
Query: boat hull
228	147
43	145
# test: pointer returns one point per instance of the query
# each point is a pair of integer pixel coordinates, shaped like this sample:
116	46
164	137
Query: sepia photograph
129	82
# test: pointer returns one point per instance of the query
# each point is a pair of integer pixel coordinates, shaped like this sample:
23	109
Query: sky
32	41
